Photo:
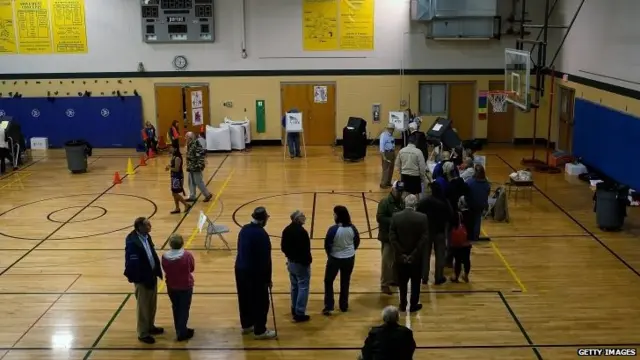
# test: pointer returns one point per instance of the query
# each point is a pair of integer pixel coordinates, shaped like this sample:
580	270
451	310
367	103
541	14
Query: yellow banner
8	44
69	27
320	25
356	25
33	24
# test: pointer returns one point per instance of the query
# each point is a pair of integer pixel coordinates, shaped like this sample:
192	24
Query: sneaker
301	318
465	278
147	339
156	331
247	331
416	307
208	198
267	335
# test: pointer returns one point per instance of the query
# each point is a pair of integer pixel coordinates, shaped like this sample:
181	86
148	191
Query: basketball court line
313	215
63	225
584	228
16	179
22	168
186	213
366	215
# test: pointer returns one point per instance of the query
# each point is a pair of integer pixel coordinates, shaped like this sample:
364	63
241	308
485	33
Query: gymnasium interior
547	87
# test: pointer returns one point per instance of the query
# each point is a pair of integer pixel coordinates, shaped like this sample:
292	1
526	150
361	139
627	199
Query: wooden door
196	100
565	119
500	124
462	108
322	115
168	108
295	96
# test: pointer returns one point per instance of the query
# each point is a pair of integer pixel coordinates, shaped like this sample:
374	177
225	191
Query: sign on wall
334	25
33	27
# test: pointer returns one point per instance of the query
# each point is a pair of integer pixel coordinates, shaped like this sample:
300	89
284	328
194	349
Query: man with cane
253	271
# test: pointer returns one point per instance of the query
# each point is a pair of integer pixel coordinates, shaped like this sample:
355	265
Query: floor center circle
75	214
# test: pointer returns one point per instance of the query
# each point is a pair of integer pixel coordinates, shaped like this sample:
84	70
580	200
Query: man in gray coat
407	234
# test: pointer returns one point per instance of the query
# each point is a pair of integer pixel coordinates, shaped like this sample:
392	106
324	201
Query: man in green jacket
388	206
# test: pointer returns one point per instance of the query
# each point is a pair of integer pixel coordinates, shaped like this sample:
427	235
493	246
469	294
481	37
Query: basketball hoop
498	100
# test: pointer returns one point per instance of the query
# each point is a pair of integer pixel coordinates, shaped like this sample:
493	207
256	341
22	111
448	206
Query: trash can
77	152
610	205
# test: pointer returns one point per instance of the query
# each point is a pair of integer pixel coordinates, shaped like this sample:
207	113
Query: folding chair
212	229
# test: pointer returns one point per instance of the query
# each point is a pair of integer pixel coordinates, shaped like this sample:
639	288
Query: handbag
459	235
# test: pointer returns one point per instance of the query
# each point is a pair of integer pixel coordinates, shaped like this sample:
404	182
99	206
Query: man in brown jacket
407	234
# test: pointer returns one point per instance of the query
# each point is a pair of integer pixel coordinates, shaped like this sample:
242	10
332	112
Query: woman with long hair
177	180
174	134
340	243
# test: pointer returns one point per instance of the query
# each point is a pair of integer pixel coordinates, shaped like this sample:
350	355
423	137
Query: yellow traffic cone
130	169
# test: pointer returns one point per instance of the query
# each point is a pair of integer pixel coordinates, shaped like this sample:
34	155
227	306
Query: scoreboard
174	21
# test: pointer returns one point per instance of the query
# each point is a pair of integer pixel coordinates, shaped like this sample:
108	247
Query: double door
317	103
188	104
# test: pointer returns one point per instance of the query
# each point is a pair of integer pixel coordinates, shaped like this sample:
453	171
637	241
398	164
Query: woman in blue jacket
340	243
477	200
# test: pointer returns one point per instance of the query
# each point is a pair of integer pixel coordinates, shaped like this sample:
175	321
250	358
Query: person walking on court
340	243
253	271
178	265
389	340
296	246
388	155
293	138
412	167
195	166
177	181
408	233
439	213
386	208
142	268
174	134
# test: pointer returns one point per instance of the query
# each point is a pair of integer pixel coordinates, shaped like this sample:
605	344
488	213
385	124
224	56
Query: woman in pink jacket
178	265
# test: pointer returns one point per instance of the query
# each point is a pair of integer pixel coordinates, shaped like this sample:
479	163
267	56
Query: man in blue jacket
142	268
253	276
293	138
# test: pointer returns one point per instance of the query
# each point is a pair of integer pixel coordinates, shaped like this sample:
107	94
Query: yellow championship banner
69	27
319	25
356	25
33	26
8	43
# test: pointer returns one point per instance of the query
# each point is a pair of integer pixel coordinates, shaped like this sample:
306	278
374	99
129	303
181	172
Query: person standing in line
179	265
467	168
388	155
386	208
142	268
177	181
340	243
389	340
454	189
293	138
408	233
150	138
296	246
412	167
174	134
195	166
461	252
439	213
478	200
253	271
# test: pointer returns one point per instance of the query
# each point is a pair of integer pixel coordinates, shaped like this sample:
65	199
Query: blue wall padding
607	140
105	122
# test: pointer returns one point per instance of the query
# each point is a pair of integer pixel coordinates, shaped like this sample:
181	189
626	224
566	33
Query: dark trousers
345	268
253	302
151	144
412	184
406	273
293	143
180	305
5	153
438	243
175	143
461	257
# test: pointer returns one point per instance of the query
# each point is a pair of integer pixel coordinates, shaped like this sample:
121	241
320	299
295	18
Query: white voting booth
218	139
212	229
239	131
293	124
399	120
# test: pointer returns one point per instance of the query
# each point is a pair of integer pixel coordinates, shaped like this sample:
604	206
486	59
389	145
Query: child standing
460	247
178	266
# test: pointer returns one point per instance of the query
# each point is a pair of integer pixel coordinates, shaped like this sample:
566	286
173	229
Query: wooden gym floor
550	282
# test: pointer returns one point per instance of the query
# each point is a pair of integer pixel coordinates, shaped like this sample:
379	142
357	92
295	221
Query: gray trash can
610	206
76	151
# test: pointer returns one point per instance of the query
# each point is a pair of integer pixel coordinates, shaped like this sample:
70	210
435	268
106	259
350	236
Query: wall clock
180	62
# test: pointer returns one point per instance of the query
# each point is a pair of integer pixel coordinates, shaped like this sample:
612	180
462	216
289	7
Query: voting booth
218	139
293	124
240	132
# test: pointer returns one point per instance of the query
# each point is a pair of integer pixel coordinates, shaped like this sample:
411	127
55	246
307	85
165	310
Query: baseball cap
398	185
260	213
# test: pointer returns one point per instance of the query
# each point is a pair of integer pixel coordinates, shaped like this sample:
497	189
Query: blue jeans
293	142
477	225
300	276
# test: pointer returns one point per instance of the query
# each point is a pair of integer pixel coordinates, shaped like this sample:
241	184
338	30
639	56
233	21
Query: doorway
187	103
500	124
462	109
565	119
317	103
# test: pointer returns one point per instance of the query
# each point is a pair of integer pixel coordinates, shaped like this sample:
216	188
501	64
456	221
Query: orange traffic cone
116	179
143	161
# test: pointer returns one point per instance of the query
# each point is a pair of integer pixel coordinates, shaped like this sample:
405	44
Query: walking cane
273	312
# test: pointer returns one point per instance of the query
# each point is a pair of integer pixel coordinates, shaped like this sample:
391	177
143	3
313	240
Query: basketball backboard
517	77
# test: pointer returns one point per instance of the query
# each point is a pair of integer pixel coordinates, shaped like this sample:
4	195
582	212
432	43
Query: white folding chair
212	229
